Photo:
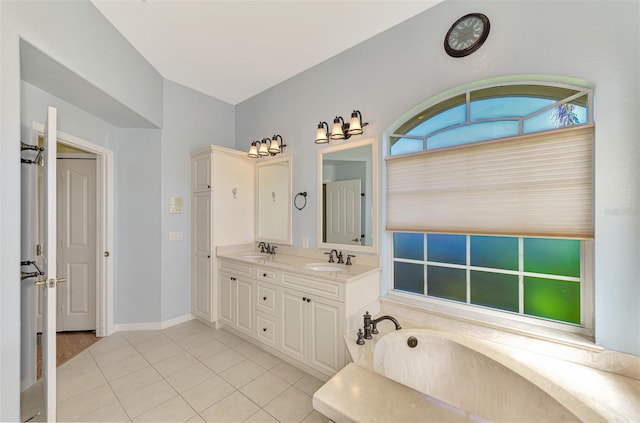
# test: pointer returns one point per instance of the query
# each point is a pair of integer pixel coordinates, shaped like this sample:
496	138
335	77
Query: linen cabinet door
327	346
293	324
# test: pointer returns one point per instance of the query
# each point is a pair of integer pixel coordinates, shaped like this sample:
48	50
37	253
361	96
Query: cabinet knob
233	279
208	256
264	275
264	329
264	298
208	186
304	298
308	300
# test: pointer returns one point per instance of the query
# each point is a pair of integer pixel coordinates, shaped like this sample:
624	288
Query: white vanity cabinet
222	205
296	315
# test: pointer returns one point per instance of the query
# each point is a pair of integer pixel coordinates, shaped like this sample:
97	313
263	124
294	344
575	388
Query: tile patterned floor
186	373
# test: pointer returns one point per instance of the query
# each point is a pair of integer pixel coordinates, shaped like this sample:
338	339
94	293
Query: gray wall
390	74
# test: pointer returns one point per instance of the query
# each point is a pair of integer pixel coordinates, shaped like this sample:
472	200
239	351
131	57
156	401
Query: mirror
273	201
347	196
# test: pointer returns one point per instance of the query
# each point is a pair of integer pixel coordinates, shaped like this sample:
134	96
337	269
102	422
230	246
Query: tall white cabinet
222	213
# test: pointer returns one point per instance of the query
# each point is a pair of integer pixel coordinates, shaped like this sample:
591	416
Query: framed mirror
348	196
273	201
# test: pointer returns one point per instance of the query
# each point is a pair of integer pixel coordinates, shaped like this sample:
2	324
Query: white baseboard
121	327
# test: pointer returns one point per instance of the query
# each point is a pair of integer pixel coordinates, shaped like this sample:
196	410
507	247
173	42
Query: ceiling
234	49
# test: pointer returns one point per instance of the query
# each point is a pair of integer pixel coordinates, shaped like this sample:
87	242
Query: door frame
105	223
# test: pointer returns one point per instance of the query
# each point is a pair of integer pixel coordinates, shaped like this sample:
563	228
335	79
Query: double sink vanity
294	302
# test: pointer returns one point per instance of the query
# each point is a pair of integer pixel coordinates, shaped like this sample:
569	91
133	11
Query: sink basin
252	256
326	267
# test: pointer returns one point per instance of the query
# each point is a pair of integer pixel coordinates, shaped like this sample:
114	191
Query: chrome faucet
262	247
370	325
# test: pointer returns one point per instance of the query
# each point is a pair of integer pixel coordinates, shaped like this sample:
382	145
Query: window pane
507	107
555	118
473	133
552	299
447	283
408	277
442	120
552	256
495	290
447	248
408	246
496	252
406	146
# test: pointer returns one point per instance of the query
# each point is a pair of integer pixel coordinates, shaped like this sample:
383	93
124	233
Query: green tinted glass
447	248
408	277
447	283
552	299
496	252
494	290
552	256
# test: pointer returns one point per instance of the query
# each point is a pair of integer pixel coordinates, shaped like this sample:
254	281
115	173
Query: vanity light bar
266	146
340	130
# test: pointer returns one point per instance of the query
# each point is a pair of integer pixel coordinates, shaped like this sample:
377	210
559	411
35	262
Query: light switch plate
176	205
176	236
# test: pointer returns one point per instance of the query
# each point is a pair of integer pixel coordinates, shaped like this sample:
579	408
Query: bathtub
471	376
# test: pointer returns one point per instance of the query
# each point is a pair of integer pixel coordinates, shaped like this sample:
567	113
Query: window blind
532	185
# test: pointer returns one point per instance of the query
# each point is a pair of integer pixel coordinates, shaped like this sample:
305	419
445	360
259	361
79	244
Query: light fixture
267	146
321	133
340	130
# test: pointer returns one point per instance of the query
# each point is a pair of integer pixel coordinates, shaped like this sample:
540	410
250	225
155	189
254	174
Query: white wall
384	77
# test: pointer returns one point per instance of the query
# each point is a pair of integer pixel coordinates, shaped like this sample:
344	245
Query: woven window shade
531	185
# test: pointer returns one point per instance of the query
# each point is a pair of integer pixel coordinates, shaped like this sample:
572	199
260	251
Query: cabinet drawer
267	329
268	275
327	289
236	268
268	298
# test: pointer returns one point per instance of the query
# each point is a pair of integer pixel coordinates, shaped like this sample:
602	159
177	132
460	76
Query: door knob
107	254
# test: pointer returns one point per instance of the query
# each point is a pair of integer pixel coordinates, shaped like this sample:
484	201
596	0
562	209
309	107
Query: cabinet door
244	306
326	348
293	328
201	287
226	299
201	223
201	176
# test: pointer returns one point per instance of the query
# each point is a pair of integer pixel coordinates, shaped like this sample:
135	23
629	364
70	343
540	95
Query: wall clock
466	35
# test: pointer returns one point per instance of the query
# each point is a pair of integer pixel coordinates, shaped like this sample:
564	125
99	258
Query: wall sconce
267	146
340	130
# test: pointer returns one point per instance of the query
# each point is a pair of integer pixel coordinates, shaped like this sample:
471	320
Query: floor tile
247	348
287	372
151	343
207	393
147	398
112	412
174	410
226	359
208	350
190	377
175	363
242	373
292	405
162	353
266	360
233	408
316	417
261	417
196	419
195	340
124	367
67	387
134	382
309	384
110	357
85	403
229	339
264	388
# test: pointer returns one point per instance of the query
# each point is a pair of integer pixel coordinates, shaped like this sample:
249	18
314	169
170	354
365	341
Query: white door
49	284
343	212
77	243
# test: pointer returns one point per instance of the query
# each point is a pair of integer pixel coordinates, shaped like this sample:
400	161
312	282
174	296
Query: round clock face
466	35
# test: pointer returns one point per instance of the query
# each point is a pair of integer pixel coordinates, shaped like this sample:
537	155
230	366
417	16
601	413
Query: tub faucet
374	329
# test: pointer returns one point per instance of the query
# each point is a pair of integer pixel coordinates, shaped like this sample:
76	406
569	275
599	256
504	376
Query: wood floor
68	345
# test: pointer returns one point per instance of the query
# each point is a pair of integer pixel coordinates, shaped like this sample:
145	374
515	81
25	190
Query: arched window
489	203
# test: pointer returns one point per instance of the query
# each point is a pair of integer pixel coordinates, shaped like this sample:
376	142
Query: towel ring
304	197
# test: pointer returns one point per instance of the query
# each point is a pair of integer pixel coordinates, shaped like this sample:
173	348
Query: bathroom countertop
297	264
590	391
